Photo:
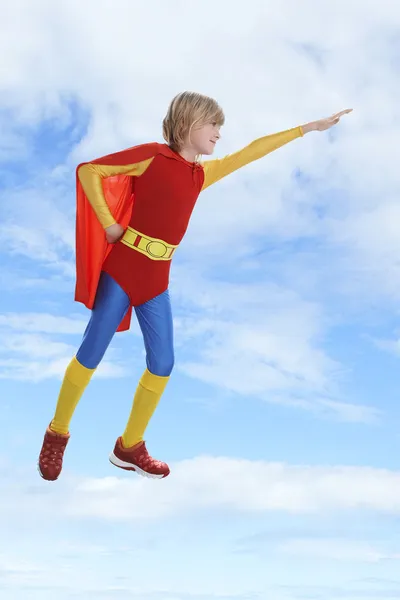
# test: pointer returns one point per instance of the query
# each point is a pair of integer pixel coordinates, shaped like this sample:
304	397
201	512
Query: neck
188	154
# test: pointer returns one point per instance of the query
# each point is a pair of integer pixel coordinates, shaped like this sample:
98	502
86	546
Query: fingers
342	112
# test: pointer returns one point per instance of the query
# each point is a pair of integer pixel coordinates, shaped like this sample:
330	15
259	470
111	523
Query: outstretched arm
214	170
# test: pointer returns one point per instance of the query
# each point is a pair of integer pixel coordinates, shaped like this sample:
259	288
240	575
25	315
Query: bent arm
91	175
214	170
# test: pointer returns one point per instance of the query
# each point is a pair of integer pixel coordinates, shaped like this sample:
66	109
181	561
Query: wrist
110	224
308	127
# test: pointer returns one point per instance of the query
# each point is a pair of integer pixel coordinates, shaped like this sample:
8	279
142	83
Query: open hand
114	233
323	124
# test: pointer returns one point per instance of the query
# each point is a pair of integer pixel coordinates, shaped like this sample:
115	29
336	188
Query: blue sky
281	419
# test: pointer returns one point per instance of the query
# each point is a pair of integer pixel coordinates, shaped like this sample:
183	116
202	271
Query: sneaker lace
147	460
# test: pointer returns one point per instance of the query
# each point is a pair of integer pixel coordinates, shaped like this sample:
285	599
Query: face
204	138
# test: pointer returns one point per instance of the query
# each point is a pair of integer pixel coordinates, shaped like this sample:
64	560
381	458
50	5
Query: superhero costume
150	190
153	190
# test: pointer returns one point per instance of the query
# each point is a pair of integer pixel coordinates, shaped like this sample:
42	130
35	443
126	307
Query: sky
281	419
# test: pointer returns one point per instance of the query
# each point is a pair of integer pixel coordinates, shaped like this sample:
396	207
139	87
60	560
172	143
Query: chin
209	151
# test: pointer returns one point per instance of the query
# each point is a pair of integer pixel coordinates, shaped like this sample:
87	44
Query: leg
156	324
109	309
155	320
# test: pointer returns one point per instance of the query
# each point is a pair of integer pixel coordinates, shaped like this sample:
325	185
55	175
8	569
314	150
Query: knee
89	357
161	365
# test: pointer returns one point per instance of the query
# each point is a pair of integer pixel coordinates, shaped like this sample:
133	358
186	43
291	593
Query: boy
133	209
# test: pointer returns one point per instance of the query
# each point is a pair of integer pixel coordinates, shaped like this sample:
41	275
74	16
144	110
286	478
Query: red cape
92	247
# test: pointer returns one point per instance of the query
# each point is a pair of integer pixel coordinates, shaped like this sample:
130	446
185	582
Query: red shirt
164	198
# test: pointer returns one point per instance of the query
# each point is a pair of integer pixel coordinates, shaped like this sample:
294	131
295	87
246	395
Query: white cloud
337	550
42	323
31	352
313	67
252	340
186	508
17	280
36	225
218	483
330	235
352	64
280	358
35	371
260	340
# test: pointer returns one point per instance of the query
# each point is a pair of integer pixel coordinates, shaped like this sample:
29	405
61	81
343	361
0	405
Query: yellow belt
152	247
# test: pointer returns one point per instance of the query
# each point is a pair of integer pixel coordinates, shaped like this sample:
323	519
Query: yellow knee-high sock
76	379
147	397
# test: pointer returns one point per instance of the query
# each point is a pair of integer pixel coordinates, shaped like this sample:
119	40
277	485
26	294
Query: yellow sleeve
90	175
214	170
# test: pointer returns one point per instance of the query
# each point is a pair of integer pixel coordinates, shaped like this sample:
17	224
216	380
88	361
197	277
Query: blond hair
186	110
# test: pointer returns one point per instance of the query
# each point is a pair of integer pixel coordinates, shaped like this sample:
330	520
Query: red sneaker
138	459
51	454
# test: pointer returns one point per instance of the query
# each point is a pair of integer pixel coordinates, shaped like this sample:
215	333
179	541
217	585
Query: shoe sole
117	462
122	465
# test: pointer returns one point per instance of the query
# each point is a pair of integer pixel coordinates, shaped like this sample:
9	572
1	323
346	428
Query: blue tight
155	321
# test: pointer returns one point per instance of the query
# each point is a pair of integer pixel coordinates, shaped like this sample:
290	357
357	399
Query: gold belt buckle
151	247
157	249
